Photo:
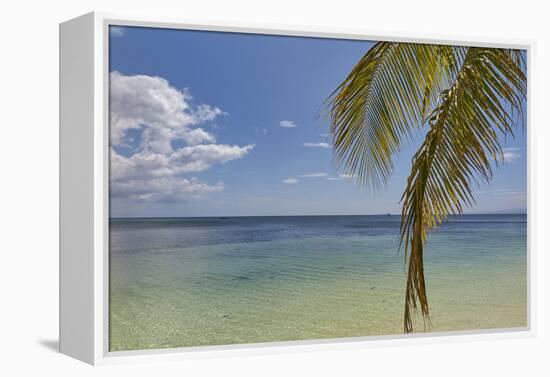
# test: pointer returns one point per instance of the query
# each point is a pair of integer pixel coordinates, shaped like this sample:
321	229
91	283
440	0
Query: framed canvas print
225	188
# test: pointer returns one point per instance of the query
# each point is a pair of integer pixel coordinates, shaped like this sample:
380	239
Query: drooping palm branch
463	98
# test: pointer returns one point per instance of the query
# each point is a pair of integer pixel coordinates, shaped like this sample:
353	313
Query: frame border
102	355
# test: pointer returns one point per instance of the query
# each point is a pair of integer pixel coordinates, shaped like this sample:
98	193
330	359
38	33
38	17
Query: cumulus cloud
191	159
172	143
290	181
287	124
162	111
317	145
168	189
510	154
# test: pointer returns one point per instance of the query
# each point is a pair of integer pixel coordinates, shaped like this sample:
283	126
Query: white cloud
290	181
162	111
342	177
314	175
155	169
506	192
189	159
347	176
287	124
510	154
206	113
317	145
169	189
117	31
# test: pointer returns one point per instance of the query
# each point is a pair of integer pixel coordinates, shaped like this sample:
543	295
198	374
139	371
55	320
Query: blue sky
225	124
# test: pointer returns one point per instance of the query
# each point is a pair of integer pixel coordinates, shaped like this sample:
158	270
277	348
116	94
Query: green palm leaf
467	97
382	101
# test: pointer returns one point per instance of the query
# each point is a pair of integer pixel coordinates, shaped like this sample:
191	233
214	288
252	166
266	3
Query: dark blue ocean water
160	233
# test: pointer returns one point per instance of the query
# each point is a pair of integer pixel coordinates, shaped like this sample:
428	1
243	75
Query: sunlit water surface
208	281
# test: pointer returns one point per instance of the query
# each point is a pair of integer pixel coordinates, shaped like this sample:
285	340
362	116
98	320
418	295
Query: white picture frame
84	181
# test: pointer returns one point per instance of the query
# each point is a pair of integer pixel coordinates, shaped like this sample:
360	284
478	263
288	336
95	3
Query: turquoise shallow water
207	281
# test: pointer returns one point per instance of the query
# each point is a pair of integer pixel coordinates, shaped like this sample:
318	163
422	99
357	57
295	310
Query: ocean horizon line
320	215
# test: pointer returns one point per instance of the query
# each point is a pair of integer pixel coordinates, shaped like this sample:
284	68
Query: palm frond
456	153
467	96
382	101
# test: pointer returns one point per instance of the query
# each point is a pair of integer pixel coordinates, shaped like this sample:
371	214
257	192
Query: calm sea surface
206	281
